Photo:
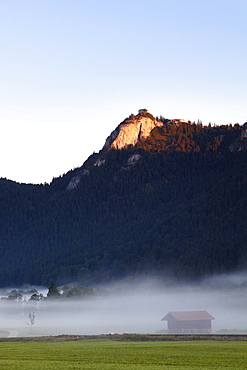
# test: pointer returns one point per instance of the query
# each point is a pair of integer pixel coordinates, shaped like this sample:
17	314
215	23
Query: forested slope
175	203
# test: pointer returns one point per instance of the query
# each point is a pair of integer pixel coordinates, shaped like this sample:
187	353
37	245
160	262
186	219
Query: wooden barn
180	322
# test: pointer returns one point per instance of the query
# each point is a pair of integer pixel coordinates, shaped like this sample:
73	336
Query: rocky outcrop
99	162
76	179
74	182
131	130
134	158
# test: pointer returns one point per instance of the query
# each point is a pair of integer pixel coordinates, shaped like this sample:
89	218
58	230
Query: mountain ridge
143	131
173	203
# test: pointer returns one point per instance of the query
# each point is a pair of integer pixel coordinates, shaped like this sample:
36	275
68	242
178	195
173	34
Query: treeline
180	209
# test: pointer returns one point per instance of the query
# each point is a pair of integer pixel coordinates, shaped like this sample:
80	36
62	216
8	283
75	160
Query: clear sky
72	70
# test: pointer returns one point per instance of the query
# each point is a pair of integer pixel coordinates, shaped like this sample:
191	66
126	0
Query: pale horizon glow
71	71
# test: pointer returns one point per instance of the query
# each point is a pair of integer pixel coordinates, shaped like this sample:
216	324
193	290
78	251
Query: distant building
141	111
178	120
180	322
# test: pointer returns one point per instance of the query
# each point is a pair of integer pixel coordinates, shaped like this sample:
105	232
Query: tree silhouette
53	292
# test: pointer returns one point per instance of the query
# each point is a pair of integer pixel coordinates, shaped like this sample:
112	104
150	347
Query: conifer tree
53	292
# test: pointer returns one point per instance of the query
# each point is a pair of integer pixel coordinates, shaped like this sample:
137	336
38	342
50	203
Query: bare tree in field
31	317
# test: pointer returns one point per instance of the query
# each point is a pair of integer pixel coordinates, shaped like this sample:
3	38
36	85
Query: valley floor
125	352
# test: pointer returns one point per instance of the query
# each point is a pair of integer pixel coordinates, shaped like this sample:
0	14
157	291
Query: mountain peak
132	129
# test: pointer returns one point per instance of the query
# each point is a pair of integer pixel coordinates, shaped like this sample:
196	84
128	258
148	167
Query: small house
181	322
178	120
142	111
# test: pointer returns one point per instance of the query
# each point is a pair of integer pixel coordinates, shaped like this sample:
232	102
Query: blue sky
72	70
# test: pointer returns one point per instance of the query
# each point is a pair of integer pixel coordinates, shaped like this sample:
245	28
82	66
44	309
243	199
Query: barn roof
188	315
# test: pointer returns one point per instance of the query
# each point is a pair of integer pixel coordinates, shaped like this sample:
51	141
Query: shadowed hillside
172	201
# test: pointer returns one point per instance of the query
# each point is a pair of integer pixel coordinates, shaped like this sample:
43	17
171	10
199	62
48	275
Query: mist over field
134	306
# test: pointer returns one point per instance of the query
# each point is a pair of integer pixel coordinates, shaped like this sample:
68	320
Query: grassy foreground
110	354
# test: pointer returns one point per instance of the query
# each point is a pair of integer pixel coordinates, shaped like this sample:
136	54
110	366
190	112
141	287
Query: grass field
110	354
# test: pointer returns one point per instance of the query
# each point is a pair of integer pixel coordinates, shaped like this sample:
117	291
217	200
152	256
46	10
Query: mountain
163	197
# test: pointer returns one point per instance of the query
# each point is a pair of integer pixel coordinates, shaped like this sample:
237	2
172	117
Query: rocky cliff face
131	130
173	135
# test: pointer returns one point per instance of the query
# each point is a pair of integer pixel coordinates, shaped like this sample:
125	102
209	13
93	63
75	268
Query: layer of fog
130	307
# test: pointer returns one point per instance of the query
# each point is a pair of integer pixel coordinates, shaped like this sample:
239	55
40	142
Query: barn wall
193	326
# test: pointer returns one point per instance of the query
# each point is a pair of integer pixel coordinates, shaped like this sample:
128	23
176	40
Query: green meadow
110	354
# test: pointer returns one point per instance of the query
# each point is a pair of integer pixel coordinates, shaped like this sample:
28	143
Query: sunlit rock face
131	130
128	133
